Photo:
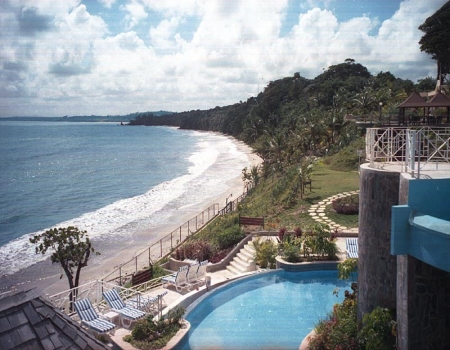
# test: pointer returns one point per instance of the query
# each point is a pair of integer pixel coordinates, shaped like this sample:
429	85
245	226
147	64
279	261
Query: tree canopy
436	39
71	248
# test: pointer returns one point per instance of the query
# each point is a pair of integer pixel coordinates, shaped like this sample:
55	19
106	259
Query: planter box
305	266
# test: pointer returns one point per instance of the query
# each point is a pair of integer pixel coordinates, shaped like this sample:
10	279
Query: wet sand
46	277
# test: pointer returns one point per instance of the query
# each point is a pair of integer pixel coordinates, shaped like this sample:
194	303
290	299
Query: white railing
93	291
413	148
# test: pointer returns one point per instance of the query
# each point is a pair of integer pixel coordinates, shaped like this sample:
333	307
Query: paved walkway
317	212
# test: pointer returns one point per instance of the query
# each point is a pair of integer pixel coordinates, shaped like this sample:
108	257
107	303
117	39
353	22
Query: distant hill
89	118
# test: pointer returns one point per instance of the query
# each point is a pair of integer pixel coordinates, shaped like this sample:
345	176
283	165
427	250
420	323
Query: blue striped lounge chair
116	304
90	318
351	244
178	279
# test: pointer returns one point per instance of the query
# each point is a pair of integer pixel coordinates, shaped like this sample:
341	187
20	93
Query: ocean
112	181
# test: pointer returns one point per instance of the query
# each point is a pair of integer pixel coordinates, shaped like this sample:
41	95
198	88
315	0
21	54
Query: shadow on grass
312	200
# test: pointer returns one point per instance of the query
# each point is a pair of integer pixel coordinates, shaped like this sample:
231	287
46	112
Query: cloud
135	13
107	3
31	22
59	58
163	36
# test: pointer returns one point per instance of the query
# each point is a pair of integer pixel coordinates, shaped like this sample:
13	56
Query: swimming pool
274	310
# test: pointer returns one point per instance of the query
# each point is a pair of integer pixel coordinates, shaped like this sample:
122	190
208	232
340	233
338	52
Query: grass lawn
325	183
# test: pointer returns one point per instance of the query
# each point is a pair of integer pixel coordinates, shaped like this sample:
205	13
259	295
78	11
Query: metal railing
94	289
412	148
233	205
162	247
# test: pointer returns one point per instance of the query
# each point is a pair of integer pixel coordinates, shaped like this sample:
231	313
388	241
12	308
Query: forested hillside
295	116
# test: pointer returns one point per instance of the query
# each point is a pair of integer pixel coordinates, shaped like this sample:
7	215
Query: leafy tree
71	248
427	84
436	39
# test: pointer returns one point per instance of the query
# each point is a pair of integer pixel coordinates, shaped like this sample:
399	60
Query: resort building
404	232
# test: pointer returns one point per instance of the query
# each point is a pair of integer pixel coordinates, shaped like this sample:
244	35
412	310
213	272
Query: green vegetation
71	249
436	38
150	334
340	329
295	117
159	271
266	251
214	242
317	242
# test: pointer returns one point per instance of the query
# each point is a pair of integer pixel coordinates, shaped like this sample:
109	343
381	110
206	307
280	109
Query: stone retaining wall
377	268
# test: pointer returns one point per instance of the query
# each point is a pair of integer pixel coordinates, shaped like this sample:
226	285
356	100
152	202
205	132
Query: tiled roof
439	100
28	321
414	100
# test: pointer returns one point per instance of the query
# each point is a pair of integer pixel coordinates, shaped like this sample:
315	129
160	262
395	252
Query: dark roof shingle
28	321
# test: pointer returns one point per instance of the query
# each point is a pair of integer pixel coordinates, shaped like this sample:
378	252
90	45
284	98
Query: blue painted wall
422	227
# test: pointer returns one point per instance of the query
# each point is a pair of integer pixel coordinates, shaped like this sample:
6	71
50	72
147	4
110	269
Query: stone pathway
317	212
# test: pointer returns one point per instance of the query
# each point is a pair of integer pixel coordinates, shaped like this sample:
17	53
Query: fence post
180	234
171	241
149	257
136	263
161	248
120	275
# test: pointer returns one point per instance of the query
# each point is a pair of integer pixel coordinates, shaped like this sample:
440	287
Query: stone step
243	261
232	270
246	255
240	265
249	248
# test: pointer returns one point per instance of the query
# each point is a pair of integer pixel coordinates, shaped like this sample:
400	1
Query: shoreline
101	265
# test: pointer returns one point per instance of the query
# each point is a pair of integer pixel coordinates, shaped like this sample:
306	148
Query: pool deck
173	298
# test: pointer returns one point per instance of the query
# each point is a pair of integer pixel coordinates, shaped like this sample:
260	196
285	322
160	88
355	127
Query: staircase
244	261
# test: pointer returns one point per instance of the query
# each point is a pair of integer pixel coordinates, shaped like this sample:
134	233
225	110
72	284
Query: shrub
281	232
346	205
266	251
379	330
195	250
339	330
158	271
320	241
155	334
291	252
229	237
347	269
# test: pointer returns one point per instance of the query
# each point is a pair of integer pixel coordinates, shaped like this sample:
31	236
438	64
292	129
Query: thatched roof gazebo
416	102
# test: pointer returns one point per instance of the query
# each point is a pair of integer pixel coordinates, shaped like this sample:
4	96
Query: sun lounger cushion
179	279
116	303
352	247
90	318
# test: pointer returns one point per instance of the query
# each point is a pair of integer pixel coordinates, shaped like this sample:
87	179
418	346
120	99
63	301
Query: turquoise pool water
274	310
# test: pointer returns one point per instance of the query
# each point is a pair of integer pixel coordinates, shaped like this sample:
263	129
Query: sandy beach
54	280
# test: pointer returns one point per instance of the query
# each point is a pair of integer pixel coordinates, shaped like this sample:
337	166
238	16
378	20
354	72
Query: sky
115	57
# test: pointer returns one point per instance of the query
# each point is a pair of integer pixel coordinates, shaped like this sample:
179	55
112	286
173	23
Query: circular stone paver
317	211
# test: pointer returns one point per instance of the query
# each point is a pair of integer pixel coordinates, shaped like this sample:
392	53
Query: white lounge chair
351	244
178	279
148	304
191	276
116	304
90	318
201	272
